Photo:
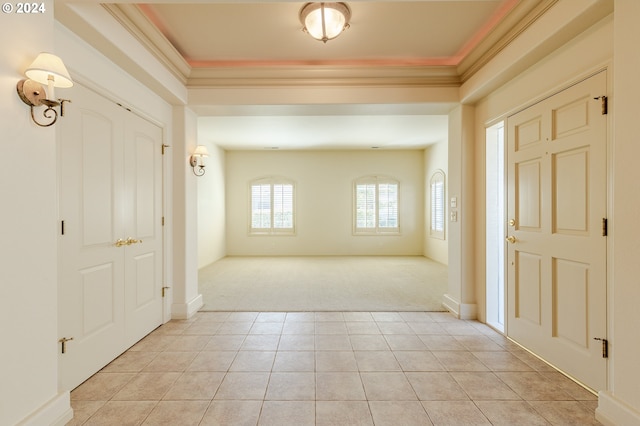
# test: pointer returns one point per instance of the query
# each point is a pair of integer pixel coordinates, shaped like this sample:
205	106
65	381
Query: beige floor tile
266	328
258	342
233	327
170	361
271	317
534	387
533	362
230	342
300	317
394	327
441	342
195	385
376	361
483	386
212	361
242	316
237	413
352	413
357	316
455	413
333	342
386	316
458	328
565	413
459	361
331	327
212	316
362	327
387	387
369	342
291	386
417	361
393	413
297	342
154	343
243	386
130	362
405	342
171	413
295	361
253	361
296	327
510	413
339	387
147	387
187	343
288	413
328	316
82	410
569	386
478	343
101	386
121	413
203	328
336	361
501	361
173	327
415	316
436	386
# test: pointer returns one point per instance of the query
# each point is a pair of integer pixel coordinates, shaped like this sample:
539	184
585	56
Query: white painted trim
451	305
611	411
56	412
466	311
186	310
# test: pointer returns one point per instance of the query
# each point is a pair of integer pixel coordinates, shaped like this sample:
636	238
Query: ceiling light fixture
325	21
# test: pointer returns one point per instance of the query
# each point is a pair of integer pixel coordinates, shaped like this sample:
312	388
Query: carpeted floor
323	283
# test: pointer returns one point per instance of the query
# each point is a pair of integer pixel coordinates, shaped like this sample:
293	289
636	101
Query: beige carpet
323	283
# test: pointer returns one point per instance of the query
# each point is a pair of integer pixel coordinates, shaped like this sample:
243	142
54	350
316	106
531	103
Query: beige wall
436	158
324	209
211	208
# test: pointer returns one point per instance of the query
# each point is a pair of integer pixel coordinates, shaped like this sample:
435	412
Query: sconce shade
47	64
201	151
325	21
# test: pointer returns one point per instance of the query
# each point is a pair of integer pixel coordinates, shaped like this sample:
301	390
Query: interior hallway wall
211	207
324	201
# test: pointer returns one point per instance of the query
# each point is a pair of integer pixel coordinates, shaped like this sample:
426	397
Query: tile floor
329	368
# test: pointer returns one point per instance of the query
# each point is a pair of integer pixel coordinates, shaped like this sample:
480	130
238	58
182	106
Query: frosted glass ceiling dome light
325	21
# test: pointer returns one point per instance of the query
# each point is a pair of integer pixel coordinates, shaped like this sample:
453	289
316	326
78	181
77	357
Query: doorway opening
494	223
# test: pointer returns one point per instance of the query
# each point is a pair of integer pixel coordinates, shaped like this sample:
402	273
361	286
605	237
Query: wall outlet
453	216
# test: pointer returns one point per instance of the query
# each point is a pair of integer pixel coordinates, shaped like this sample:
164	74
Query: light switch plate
453	203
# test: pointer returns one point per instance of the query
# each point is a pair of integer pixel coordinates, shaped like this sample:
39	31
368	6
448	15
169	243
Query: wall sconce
197	160
50	70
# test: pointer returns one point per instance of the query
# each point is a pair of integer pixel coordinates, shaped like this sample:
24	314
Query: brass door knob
121	242
511	239
132	241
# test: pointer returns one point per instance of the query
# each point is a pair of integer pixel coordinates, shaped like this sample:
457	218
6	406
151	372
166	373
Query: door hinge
64	341
605	346
604	104
164	146
162	220
164	291
605	226
62	227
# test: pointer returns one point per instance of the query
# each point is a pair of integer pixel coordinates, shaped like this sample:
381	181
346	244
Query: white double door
557	200
110	210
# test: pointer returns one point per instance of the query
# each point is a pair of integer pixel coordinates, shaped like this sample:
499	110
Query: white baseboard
186	310
465	311
56	412
612	412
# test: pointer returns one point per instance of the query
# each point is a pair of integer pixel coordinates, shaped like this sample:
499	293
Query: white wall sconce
50	70
197	160
325	21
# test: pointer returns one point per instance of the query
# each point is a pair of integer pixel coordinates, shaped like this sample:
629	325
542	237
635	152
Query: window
437	205
272	206
376	205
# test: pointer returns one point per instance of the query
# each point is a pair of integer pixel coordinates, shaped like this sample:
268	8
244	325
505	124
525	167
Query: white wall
28	262
436	158
324	207
211	208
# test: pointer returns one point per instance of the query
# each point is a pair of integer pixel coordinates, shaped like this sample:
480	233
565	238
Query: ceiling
221	42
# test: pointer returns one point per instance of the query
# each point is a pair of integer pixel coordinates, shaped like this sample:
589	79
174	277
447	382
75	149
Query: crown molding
521	17
138	24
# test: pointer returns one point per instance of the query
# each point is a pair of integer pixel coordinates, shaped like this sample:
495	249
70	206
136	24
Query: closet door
110	243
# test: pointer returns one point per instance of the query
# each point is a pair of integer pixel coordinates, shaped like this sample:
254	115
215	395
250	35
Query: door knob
132	241
121	242
511	239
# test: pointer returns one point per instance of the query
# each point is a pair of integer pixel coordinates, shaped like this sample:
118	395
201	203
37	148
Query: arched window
437	205
272	206
375	200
